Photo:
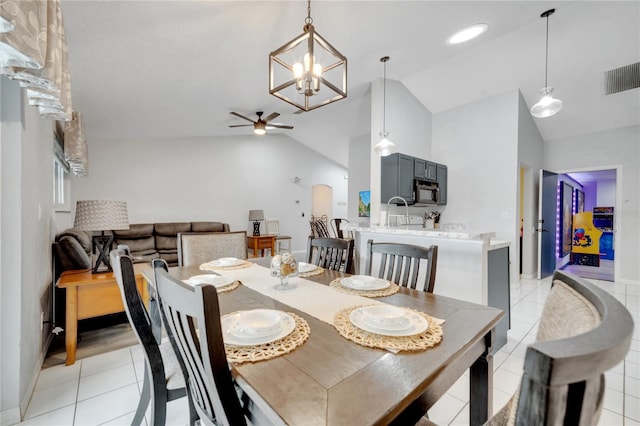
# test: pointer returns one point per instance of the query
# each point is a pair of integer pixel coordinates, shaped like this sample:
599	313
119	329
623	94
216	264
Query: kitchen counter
418	230
471	265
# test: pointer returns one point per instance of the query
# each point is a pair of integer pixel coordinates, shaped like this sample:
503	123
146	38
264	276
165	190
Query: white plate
306	267
227	261
216	280
386	317
364	282
236	334
417	324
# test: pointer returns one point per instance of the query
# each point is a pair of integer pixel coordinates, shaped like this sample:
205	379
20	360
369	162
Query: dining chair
319	228
583	332
401	263
192	313
164	373
336	224
195	248
273	228
331	253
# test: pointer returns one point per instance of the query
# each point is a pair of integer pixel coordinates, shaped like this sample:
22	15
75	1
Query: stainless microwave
426	193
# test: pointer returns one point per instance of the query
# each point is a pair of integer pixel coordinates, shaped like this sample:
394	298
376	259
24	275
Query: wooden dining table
330	380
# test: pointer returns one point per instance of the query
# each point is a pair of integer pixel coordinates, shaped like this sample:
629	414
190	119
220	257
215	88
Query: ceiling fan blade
271	116
280	126
242	125
242	116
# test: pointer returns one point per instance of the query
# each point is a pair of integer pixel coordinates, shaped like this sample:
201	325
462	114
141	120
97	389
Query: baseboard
10	416
34	378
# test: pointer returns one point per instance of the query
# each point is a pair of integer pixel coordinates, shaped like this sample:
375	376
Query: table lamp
256	216
99	215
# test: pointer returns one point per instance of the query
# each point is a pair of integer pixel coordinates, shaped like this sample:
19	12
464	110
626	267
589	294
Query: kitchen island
471	266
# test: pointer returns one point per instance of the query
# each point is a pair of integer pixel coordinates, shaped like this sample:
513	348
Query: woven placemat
316	271
299	335
229	287
232	286
418	342
210	267
392	289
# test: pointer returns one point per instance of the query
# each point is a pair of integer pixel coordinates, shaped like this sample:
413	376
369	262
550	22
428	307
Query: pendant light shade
547	105
308	72
385	146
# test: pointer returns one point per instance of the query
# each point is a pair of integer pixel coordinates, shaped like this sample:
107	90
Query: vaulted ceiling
166	69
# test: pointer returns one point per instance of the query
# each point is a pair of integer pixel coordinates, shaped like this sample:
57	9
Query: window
61	192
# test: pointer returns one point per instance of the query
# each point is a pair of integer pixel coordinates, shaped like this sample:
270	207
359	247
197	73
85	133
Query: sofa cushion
140	230
166	235
83	237
138	244
171	228
71	254
208	227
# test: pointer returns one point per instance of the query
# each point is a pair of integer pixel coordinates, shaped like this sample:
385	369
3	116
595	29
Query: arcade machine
585	248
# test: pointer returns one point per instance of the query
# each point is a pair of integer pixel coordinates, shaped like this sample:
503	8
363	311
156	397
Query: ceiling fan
261	125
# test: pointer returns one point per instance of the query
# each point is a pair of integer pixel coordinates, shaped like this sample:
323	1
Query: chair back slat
402	263
193	315
331	253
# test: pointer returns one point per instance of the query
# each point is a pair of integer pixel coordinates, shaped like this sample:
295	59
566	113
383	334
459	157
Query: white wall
606	150
408	123
530	145
214	179
479	144
26	236
359	172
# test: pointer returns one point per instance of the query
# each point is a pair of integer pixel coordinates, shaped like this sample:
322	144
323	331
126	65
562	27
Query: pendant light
385	146
308	72
547	105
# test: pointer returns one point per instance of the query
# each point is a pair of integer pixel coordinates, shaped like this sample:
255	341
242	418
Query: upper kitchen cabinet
424	170
397	174
442	184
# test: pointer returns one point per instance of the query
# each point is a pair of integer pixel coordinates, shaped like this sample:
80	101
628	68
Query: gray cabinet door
442	184
432	171
396	175
419	168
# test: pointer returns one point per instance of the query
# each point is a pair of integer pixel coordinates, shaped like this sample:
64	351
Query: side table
262	242
92	295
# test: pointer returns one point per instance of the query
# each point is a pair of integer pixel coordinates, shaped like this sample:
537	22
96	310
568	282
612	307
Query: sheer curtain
34	52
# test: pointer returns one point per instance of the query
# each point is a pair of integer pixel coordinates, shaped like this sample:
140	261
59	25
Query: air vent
623	78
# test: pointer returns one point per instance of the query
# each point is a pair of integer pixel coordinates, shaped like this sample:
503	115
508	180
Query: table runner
318	300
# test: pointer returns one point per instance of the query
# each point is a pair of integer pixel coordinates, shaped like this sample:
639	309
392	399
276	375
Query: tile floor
104	389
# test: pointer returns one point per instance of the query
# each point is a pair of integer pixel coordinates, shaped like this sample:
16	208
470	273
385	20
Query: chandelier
308	72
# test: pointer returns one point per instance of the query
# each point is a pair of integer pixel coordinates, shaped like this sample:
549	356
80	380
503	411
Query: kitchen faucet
406	208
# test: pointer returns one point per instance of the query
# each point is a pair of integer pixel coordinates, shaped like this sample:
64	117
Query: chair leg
145	396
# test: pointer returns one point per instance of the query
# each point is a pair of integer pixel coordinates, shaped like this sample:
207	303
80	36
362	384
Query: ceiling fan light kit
261	125
308	72
547	105
385	146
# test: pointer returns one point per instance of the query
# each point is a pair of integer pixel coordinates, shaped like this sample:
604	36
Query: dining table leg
481	384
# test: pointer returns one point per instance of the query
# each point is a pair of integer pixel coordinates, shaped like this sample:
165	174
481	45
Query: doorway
596	191
321	201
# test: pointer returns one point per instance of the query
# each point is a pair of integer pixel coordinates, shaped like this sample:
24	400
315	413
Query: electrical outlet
41	321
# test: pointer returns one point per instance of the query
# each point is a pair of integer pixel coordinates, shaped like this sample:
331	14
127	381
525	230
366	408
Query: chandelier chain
308	20
546	56
384	60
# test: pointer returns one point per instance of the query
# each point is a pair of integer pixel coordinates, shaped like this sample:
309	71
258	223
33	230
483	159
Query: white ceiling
164	69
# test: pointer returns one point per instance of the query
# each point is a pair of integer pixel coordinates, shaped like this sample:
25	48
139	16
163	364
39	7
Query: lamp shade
255	215
100	215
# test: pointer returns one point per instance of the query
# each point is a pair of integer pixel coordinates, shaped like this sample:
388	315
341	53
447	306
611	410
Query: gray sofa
147	241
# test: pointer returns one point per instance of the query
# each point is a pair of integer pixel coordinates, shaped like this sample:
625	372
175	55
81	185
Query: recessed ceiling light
467	33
